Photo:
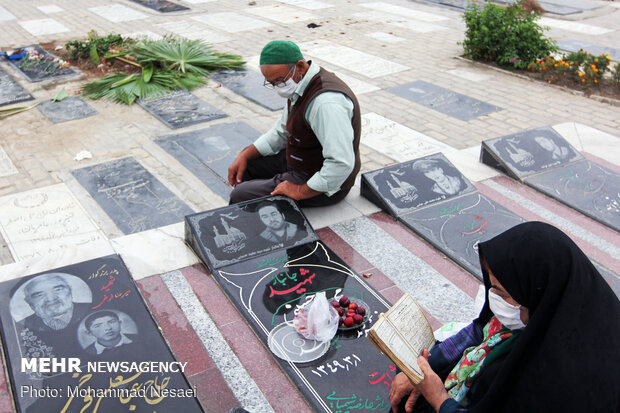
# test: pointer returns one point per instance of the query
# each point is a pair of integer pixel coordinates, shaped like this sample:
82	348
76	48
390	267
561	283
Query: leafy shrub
94	46
508	36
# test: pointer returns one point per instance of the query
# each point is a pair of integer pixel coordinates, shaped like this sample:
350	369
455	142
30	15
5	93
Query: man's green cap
280	52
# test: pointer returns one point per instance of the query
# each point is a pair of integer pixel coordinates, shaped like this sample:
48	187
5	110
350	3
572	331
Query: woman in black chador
546	340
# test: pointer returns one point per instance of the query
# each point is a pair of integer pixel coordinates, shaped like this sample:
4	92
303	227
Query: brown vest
303	149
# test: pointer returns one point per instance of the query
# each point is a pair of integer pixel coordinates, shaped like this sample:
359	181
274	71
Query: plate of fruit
353	312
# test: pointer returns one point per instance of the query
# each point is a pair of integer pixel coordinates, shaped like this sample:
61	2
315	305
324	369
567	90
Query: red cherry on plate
350	313
335	304
349	322
358	319
340	311
361	311
344	301
340	320
352	306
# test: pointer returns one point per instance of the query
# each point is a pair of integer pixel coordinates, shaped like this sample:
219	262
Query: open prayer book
401	334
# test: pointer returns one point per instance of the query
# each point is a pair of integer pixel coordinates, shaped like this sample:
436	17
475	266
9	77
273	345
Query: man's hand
294	191
239	165
432	388
401	388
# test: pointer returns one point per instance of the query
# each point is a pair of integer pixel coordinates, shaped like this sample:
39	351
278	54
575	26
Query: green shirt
329	115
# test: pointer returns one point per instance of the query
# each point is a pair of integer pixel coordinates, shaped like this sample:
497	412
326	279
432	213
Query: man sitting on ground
312	152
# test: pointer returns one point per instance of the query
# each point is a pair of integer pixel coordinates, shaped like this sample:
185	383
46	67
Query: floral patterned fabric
463	375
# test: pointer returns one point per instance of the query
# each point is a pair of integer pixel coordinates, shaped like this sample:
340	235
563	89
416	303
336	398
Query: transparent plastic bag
318	321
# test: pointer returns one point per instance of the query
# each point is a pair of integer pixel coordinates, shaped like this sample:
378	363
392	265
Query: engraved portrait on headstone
443	183
108	334
277	229
531	151
46	310
415	184
238	232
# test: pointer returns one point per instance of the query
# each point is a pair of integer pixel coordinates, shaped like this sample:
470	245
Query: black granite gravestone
208	152
131	196
41	66
433	199
70	108
242	231
542	159
346	374
11	91
82	312
406	186
249	84
443	100
181	108
456	227
585	186
162	6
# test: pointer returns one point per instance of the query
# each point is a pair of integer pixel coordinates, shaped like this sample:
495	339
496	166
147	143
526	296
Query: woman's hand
401	388
432	388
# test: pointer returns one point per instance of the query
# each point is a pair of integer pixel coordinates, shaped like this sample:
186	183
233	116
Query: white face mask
288	88
507	314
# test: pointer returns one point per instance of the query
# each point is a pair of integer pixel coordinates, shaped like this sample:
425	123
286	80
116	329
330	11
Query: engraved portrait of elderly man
47	314
51	299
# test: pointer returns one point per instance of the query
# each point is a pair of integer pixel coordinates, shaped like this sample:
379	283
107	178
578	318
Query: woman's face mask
288	88
507	314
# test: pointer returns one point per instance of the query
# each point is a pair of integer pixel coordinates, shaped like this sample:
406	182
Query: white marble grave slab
45	221
118	13
7	168
399	21
231	22
359	87
146	34
591	140
359	62
386	37
307	4
6	15
404	11
471	75
6	165
50	9
43	26
282	14
398	141
572	26
155	251
194	31
467	161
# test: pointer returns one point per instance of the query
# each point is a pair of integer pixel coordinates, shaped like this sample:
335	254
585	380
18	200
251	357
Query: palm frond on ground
123	88
184	55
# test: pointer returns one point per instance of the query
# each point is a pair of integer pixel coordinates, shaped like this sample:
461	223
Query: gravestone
270	278
180	108
544	160
576	45
131	196
162	6
44	69
208	152
433	199
11	91
70	108
443	100
249	84
103	307
242	231
47	220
